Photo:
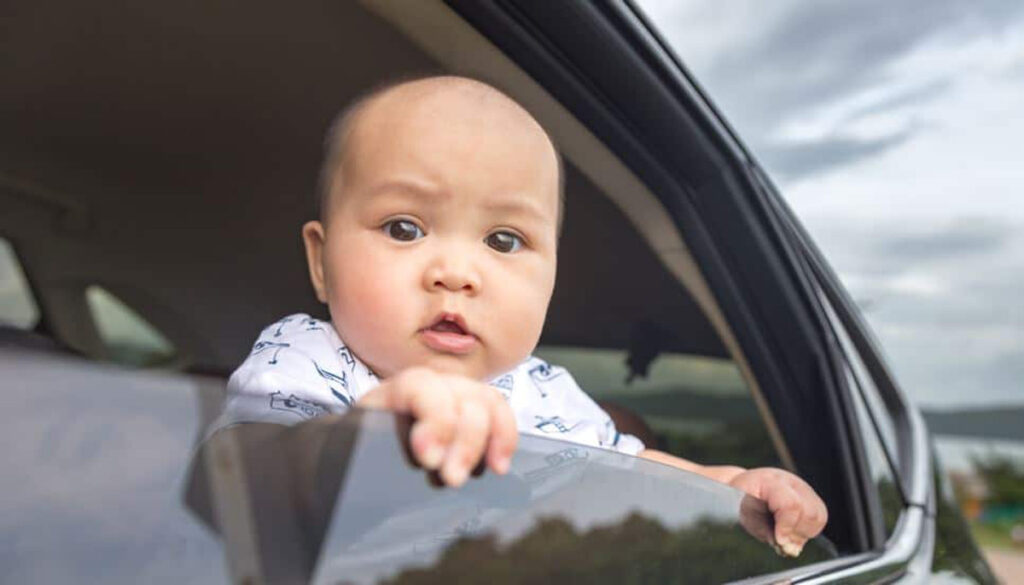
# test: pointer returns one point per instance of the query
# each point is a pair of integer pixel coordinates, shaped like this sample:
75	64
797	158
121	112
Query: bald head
394	107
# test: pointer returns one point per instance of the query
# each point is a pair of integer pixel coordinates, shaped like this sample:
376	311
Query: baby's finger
784	503
426	448
435	411
504	436
815	514
467	447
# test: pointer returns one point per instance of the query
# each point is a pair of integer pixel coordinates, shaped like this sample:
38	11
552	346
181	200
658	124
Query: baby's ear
313	238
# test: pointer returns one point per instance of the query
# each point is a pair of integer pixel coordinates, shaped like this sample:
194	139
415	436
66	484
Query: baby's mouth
447	327
449	334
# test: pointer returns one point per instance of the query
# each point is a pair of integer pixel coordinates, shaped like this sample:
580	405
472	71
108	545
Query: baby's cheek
522	319
368	309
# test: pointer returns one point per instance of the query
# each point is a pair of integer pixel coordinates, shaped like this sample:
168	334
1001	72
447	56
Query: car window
128	338
693	406
564	512
17	305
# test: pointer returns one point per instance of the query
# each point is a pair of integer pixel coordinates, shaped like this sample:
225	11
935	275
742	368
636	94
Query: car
158	163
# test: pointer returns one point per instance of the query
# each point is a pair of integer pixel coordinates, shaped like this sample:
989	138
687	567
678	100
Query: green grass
993	535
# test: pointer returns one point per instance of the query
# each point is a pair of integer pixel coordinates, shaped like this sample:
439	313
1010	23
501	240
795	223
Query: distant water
956	453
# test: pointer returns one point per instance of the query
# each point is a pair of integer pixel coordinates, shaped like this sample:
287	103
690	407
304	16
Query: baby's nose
452	273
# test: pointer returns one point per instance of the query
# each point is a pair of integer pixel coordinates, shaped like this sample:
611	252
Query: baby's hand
458	421
799	513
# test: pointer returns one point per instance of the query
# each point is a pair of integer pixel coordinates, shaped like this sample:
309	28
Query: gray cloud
967	236
823	51
1015	69
942	297
889	248
914	96
793	160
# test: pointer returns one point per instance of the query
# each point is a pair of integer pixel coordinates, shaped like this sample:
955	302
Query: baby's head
438	228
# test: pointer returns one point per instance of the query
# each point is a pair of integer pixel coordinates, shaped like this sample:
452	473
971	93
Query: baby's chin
459	366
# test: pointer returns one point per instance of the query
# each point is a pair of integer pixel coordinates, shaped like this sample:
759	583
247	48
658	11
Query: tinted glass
94	466
564	512
889	497
17	306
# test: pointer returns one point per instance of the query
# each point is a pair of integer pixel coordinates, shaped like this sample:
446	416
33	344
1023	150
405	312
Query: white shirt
299	369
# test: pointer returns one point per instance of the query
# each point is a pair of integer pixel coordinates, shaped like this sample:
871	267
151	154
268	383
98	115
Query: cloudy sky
896	132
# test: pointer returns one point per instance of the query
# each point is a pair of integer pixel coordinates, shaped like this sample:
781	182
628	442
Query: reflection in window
17	307
697	407
129	339
564	513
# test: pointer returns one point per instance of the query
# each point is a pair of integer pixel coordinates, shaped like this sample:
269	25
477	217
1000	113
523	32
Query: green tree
1005	481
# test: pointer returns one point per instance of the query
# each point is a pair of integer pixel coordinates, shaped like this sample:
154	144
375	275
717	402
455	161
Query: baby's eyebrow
410	187
505	205
519	206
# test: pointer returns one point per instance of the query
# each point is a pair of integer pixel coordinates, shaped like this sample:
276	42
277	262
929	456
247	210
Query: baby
435	252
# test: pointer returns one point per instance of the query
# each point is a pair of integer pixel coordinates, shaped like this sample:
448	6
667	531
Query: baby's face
438	246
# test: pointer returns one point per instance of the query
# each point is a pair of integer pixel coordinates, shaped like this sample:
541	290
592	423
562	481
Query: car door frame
909	551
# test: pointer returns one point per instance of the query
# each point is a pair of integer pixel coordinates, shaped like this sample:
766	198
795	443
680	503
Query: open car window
564	511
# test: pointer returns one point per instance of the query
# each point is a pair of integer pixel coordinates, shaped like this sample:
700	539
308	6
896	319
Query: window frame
912	541
914	454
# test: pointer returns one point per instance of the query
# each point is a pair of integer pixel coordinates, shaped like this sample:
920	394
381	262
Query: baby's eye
505	242
402	230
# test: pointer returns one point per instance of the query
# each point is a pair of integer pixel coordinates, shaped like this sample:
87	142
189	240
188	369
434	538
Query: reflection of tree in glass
1004	479
955	550
637	550
743	443
892	503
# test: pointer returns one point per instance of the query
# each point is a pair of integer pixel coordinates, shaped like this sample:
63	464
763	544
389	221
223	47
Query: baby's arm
799	513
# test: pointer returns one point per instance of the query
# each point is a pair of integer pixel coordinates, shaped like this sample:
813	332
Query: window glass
92	486
17	307
876	427
693	406
564	512
877	410
889	497
129	339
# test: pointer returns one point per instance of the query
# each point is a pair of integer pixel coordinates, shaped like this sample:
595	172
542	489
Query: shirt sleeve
292	374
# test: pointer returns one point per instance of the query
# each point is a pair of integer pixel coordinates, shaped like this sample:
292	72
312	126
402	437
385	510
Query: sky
895	131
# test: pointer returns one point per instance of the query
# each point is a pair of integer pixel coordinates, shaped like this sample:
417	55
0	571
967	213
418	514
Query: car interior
158	163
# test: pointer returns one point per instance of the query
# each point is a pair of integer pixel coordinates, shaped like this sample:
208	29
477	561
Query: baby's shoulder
299	347
546	378
298	326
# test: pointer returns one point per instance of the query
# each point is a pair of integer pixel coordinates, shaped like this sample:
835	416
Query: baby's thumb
785	506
